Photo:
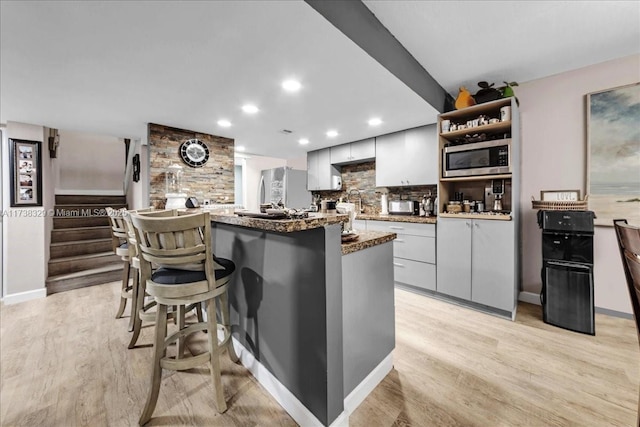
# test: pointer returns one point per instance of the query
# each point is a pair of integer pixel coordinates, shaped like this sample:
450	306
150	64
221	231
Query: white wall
24	263
298	163
90	164
553	117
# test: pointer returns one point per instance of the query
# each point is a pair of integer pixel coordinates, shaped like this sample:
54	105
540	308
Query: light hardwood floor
64	362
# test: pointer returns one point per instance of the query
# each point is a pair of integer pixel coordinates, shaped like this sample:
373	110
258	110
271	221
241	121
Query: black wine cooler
567	269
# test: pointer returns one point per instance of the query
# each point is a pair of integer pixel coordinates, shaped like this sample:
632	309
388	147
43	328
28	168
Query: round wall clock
194	152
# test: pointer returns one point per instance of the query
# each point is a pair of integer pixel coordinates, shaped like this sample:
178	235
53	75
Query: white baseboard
24	296
530	297
362	390
89	192
276	389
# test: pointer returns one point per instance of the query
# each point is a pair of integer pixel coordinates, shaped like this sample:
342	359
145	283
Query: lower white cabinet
476	261
414	251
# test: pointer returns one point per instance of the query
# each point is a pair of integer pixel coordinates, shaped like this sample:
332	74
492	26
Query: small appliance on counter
404	207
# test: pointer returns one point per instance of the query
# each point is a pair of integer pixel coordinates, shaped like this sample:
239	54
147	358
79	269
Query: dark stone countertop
367	239
398	218
277	225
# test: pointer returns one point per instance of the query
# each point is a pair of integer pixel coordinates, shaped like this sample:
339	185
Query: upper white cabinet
407	158
321	174
354	152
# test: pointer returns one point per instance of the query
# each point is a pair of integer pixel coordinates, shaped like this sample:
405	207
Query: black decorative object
487	93
25	170
192	202
194	153
136	168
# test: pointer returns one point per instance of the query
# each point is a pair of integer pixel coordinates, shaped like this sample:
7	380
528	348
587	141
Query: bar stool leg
159	351
134	299
226	323
181	340
137	322
125	284
212	335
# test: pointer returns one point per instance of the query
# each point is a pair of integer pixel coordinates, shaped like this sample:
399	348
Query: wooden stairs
81	254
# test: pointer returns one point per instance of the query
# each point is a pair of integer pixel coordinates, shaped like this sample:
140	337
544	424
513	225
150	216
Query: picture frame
560	195
25	170
613	141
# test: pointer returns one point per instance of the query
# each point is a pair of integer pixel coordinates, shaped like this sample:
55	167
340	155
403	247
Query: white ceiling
112	67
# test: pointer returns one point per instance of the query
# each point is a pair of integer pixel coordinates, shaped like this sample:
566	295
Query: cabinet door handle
468	225
395	227
476	225
396	264
399	240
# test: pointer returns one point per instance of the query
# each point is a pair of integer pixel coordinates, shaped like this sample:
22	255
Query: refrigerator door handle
261	192
285	180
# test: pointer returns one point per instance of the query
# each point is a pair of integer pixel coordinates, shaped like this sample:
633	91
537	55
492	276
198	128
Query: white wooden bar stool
189	274
120	245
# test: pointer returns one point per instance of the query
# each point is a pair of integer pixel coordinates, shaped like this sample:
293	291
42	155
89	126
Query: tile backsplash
362	177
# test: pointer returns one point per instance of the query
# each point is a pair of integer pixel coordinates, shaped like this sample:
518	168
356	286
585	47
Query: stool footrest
186	363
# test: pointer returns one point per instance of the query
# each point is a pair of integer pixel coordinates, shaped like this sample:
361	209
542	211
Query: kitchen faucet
360	208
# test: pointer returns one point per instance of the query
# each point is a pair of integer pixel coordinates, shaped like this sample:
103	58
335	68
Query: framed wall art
25	169
613	154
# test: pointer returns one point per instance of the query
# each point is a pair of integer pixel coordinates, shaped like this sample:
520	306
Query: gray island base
315	327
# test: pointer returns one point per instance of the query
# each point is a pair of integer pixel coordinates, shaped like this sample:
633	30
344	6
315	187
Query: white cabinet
492	264
353	152
475	261
312	170
321	174
479	254
414	252
406	158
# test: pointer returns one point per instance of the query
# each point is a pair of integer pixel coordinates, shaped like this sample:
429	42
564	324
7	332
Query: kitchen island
313	319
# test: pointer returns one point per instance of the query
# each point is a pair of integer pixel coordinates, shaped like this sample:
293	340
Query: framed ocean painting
613	154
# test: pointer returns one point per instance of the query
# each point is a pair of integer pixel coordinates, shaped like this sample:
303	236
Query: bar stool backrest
176	242
118	227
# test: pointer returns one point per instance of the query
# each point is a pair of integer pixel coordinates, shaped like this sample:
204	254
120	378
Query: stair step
80	233
82	262
71	199
79	247
80	221
94	276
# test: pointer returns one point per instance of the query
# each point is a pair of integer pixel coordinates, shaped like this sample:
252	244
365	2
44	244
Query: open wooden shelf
476	178
490	128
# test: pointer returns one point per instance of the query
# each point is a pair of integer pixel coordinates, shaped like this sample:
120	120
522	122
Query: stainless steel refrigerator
286	185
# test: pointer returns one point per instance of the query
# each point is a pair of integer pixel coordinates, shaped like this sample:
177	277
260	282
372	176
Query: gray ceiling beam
358	23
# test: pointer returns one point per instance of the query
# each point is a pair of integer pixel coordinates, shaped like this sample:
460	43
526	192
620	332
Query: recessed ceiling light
249	108
224	123
239	148
303	141
291	85
375	121
332	133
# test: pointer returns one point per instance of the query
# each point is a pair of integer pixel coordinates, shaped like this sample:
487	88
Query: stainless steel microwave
478	158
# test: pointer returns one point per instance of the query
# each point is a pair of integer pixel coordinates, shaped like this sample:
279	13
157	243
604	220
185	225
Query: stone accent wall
214	181
362	176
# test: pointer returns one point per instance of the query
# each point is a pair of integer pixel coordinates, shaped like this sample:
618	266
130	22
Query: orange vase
464	99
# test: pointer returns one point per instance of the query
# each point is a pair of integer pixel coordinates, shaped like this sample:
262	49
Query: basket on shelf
555	205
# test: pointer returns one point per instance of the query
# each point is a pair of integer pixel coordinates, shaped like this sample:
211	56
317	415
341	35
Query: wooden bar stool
189	274
120	245
143	310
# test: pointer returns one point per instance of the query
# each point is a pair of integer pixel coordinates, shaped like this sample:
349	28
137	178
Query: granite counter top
277	225
399	218
367	239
